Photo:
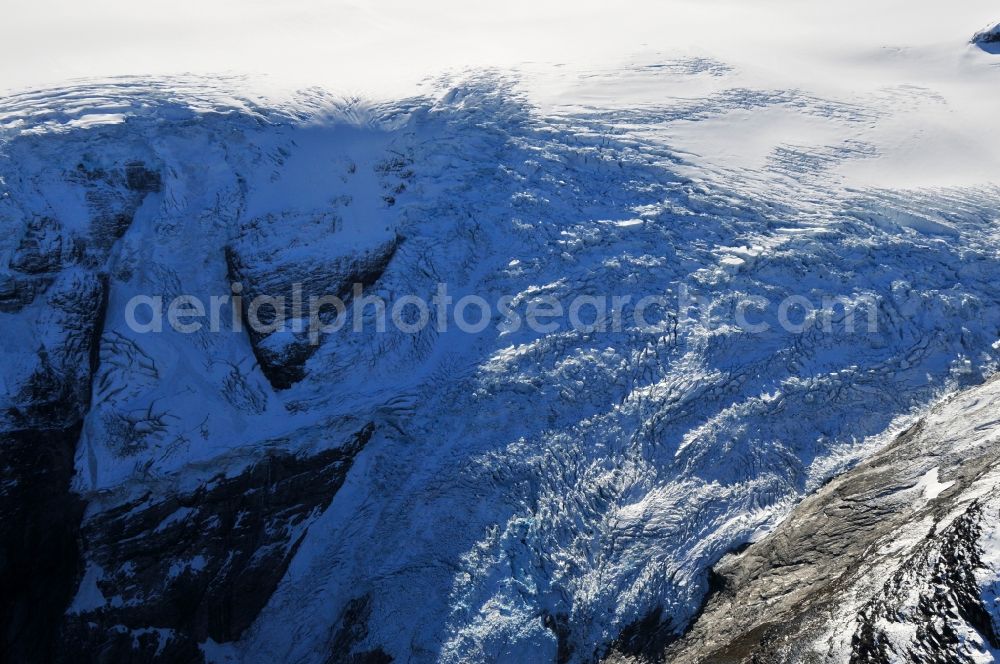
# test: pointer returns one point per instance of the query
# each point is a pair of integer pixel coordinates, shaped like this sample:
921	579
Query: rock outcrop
988	39
885	563
61	276
167	572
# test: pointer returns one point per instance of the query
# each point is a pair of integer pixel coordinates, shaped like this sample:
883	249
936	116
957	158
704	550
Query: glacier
505	496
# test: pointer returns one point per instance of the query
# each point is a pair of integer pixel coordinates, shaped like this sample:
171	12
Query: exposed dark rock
39	516
141	179
39	554
113	198
43	400
988	39
39	428
41	247
201	564
17	292
783	594
988	35
645	638
559	625
282	359
951	589
351	633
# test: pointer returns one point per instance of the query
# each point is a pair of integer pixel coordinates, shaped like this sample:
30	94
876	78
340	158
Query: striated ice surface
526	495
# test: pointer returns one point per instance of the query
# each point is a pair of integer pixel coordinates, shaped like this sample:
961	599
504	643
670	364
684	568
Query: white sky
382	47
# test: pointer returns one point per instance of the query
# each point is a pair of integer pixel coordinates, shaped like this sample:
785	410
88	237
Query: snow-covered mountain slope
508	495
895	560
988	39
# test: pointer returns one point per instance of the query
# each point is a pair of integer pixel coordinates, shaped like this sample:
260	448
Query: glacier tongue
519	496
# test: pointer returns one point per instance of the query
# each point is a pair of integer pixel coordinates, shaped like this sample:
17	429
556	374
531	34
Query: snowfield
506	496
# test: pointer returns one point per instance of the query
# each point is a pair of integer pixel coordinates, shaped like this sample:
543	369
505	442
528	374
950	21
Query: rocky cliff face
167	572
988	38
894	560
57	282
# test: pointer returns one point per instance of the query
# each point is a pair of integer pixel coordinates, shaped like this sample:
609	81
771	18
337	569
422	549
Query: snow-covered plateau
820	490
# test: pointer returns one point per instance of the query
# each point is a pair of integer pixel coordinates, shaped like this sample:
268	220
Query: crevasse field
509	495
